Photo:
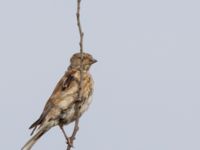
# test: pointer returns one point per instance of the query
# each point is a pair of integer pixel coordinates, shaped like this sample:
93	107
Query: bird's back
63	102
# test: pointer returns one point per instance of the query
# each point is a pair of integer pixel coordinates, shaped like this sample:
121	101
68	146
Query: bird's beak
94	61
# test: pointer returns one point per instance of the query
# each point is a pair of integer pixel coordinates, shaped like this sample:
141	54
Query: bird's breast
79	107
85	105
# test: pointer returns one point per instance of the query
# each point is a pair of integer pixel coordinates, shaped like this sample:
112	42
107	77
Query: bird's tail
34	139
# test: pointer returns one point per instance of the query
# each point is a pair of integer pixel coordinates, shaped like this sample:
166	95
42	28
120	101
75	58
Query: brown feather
65	82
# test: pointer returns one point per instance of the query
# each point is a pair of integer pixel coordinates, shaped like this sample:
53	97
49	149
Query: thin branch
76	126
81	45
79	25
73	136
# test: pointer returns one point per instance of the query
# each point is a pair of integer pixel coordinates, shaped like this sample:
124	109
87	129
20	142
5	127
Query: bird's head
87	61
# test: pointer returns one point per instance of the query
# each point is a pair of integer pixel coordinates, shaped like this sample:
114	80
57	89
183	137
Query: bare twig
79	25
81	45
76	126
72	138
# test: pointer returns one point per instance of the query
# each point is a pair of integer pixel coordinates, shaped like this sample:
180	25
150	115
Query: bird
68	101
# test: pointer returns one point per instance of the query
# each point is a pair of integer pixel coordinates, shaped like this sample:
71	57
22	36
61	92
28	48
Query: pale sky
147	79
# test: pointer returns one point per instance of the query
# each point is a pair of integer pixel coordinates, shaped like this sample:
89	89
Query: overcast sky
147	79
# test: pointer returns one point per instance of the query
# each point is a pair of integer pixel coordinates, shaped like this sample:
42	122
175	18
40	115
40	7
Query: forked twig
73	136
76	126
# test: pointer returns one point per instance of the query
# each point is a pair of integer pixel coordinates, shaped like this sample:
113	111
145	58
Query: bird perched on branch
64	105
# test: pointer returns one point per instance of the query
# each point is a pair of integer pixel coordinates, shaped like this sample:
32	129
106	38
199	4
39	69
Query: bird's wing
65	85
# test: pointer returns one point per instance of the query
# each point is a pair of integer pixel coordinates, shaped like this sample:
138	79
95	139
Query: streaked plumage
63	106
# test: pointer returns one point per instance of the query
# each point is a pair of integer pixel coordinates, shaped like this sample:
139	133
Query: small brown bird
63	106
